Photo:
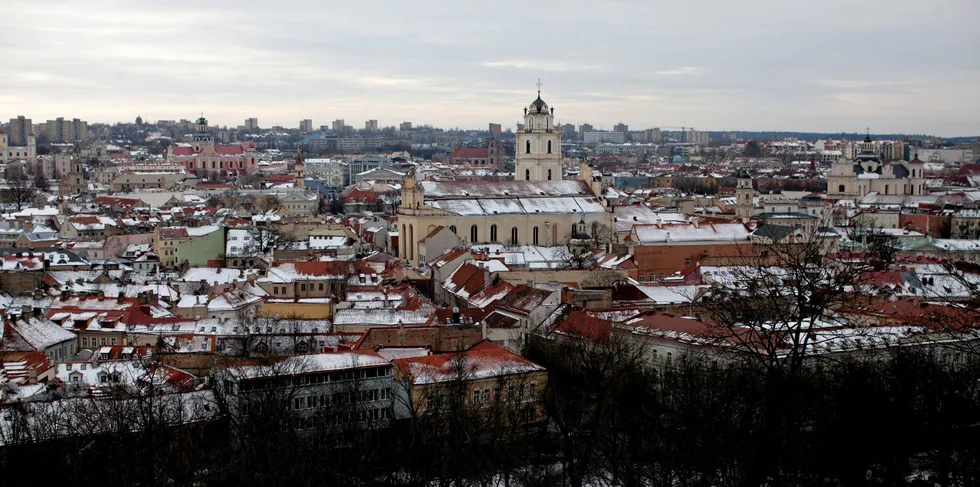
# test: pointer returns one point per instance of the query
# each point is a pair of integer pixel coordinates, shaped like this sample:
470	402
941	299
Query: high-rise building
338	125
251	123
585	127
621	127
20	128
306	125
405	126
371	125
61	131
495	130
568	131
604	137
657	136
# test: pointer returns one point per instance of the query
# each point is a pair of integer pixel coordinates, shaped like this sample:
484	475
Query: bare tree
19	191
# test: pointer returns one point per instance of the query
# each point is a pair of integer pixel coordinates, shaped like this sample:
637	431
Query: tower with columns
538	144
299	169
743	196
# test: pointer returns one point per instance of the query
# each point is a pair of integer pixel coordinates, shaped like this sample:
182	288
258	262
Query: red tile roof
470	153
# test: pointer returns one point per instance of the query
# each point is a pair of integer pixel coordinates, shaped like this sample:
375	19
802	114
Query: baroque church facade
538	208
867	173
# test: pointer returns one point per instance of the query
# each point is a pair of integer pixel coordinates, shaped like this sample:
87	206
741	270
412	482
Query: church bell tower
538	144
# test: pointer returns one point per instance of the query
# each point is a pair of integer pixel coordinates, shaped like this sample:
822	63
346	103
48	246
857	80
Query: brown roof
470	153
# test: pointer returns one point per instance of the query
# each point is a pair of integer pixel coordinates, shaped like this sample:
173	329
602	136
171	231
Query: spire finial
539	87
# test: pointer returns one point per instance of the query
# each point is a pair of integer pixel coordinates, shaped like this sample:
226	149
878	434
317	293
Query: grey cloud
896	65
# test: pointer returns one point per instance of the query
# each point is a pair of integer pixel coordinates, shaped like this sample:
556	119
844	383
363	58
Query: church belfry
202	137
299	178
538	144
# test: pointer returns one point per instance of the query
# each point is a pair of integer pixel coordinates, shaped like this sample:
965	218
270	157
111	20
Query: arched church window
513	236
549	171
549	147
493	233
530	124
840	189
452	228
527	147
527	174
534	236
473	234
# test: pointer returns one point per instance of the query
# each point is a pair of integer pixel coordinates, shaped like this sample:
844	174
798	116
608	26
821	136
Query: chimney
483	328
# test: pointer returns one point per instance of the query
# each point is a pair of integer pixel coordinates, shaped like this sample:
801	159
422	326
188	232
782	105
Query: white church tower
538	144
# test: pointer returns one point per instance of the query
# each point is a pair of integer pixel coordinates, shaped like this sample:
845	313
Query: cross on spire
539	87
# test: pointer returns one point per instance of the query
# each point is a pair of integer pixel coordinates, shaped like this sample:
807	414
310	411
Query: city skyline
751	66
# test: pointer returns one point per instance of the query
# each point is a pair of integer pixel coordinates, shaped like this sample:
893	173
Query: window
549	152
493	233
84	342
486	395
534	236
476	396
513	236
321	286
687	262
527	147
549	171
840	189
527	174
302	287
473	234
452	228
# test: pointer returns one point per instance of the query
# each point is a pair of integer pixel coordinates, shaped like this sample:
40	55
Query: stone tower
743	196
299	169
538	144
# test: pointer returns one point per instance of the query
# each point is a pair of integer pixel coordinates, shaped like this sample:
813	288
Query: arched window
452	228
530	124
886	189
527	147
527	174
534	236
410	253
513	236
549	147
493	233
840	189
473	234
401	241
549	174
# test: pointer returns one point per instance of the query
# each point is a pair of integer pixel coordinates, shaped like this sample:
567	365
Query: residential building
20	129
481	377
324	389
306	125
61	131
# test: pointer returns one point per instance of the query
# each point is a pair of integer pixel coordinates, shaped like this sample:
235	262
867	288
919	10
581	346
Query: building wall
300	310
197	251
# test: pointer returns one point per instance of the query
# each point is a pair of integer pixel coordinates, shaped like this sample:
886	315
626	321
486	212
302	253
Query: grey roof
775	232
790	215
900	171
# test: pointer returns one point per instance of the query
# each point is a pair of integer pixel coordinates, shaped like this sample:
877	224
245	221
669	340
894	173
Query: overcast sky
831	65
